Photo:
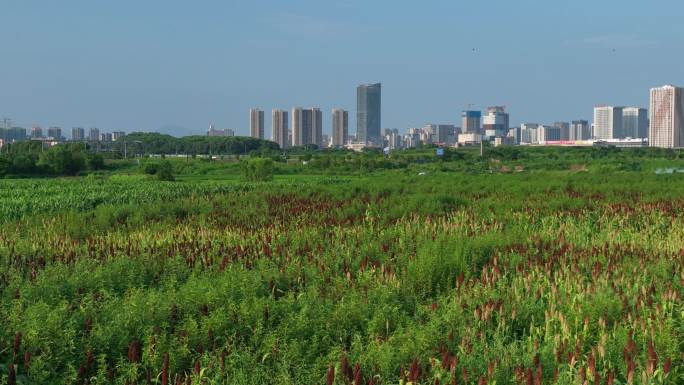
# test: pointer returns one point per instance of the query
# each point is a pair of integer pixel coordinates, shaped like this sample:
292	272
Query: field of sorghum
446	278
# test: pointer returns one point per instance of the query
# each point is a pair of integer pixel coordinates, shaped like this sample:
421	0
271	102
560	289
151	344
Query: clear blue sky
149	64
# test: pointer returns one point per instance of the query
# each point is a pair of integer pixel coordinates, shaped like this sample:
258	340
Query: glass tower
368	113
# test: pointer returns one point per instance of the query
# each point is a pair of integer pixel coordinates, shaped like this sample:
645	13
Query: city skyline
259	123
172	68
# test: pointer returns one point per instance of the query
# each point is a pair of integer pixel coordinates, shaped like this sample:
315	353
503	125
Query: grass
466	274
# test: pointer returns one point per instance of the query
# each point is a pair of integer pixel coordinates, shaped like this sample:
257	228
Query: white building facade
666	117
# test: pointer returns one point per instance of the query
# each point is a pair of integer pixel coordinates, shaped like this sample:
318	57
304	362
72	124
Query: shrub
165	171
257	170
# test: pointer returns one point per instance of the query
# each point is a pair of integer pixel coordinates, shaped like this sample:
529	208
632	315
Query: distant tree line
32	158
154	143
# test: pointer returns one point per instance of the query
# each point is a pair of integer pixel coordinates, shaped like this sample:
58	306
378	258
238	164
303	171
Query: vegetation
527	266
33	158
153	143
257	170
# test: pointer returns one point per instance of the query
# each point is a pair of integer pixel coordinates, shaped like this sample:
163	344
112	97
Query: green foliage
165	171
62	160
34	158
257	170
461	271
154	143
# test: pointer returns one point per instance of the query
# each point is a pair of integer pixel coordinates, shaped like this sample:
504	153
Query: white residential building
608	122
667	117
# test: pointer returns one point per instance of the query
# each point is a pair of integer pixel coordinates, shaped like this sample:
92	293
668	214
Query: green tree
257	170
62	160
165	171
95	161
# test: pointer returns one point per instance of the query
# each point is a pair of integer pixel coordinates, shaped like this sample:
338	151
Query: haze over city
176	67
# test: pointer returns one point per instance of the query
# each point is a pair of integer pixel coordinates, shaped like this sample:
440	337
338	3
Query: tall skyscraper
280	131
666	117
608	122
256	123
77	134
395	139
55	133
36	132
635	122
299	130
368	113
514	134
580	130
116	135
445	133
496	122
548	133
94	134
529	133
340	127
471	122
307	126
563	129
316	127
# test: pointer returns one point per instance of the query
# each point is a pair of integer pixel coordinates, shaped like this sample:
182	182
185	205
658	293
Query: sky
177	66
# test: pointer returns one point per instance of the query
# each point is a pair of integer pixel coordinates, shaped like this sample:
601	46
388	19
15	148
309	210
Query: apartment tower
666	117
635	122
471	122
608	122
340	127
279	128
256	123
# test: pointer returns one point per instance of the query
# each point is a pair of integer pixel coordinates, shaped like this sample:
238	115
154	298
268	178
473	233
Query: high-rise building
580	130
635	122
445	133
514	134
11	134
316	127
116	135
368	113
428	134
256	123
340	127
412	137
18	133
395	139
666	117
279	128
77	134
547	133
36	132
564	130
307	126
6	123
471	121
496	122
55	133
299	129
94	134
608	122
529	133
106	137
